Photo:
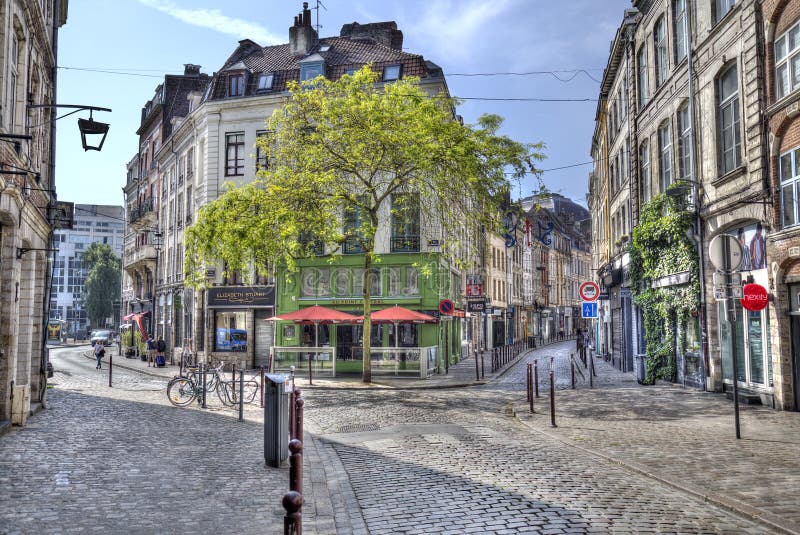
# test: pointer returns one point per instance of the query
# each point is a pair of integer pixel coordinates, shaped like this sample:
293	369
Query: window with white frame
644	170
391	72
641	62
236	85
665	156
787	62
679	23
234	154
265	81
790	186
12	82
684	140
261	155
660	42
730	136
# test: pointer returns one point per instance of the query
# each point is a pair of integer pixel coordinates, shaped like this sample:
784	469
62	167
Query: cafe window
231	332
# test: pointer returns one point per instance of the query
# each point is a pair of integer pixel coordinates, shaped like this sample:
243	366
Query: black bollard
477	371
261	388
483	368
572	369
552	394
241	394
204	385
110	366
536	377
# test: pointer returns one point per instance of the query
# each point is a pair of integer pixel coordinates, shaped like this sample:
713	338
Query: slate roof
343	53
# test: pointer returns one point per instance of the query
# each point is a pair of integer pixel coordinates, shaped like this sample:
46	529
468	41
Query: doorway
795	319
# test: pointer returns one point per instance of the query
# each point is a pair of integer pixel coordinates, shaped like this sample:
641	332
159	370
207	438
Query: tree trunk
366	375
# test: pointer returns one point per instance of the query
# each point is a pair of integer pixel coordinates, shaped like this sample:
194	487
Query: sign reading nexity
241	296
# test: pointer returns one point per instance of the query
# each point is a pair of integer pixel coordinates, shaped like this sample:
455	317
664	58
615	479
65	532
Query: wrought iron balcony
141	210
405	244
352	246
314	247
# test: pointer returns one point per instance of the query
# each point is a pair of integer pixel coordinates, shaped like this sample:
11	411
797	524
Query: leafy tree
348	149
103	281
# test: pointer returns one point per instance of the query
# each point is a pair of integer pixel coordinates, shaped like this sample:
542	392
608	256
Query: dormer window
265	81
236	85
309	71
391	72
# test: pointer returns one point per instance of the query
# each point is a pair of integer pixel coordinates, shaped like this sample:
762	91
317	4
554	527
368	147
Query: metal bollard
233	372
261	388
530	386
477	371
528	382
110	366
241	394
572	369
552	394
310	378
298	414
293	500
483	369
536	376
204	385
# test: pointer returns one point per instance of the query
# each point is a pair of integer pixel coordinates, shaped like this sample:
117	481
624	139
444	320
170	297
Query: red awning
316	314
398	314
128	317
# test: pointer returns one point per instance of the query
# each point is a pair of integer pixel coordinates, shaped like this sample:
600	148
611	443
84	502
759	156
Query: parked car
103	337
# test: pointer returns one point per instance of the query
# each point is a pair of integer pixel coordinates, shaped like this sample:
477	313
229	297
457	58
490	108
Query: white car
101	336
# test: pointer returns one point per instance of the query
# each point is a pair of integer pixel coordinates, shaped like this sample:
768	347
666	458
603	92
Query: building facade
697	80
28	33
92	224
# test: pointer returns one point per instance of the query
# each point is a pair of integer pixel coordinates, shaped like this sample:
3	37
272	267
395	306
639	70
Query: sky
559	50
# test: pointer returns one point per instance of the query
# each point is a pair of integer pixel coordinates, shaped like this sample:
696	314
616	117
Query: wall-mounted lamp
93	133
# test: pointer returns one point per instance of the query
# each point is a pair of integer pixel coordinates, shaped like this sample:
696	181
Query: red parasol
316	314
398	314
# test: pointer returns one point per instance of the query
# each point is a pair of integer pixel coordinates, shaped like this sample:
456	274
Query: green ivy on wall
661	245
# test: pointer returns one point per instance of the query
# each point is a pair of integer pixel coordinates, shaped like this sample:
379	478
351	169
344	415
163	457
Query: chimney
385	33
191	70
302	37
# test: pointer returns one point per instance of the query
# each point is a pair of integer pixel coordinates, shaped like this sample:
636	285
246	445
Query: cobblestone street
387	460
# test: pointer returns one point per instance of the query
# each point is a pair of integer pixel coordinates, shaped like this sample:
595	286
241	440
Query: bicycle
182	390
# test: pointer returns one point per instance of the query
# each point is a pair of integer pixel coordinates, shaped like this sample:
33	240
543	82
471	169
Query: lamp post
158	243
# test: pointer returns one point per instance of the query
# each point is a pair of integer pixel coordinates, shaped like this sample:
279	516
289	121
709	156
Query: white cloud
214	19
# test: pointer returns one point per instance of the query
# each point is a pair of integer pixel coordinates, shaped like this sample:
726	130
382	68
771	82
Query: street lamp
93	133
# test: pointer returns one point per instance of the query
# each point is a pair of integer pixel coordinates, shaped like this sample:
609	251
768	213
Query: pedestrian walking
161	347
150	353
579	340
99	353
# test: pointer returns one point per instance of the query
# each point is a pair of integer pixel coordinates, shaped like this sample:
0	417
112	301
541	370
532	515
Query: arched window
730	136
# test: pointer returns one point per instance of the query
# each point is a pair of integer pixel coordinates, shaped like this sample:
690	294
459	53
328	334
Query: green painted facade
417	281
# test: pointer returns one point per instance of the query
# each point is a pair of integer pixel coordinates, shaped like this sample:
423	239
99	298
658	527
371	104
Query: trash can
639	366
276	419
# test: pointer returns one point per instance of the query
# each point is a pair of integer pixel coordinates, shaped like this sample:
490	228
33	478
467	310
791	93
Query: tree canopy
103	280
358	152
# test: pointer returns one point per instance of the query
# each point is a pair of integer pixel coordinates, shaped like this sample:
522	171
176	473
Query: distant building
93	224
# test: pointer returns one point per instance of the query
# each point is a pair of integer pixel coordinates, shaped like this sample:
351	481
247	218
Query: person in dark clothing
99	353
161	347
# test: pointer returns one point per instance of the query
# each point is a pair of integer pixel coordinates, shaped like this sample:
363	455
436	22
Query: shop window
231	332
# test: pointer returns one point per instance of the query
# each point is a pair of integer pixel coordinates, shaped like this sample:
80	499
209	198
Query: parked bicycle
184	389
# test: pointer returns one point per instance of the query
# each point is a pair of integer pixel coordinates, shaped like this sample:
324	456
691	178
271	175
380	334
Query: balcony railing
142	253
314	247
352	246
405	244
140	211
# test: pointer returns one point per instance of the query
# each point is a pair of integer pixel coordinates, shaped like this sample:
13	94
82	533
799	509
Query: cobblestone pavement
376	461
685	438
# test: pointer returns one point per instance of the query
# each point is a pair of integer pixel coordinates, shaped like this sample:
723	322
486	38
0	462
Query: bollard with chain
552	394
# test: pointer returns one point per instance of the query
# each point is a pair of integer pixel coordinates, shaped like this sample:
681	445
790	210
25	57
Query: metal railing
308	361
405	244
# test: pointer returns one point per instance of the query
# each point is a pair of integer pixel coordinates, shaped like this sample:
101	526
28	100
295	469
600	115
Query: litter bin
639	366
276	419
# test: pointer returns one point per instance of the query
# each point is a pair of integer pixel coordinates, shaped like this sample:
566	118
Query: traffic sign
730	279
755	297
589	291
446	307
725	252
589	310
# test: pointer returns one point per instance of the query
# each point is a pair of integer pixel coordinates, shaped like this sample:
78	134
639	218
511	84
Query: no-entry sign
589	291
754	298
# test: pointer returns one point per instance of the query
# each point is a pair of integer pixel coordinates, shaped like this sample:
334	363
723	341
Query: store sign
673	279
476	306
241	296
755	297
474	286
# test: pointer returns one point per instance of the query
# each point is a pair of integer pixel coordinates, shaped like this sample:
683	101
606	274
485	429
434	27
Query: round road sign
755	297
725	252
446	307
589	291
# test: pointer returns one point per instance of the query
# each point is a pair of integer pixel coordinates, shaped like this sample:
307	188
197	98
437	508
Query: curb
729	504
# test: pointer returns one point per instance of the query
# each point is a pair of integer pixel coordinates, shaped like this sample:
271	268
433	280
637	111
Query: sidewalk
684	438
461	374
